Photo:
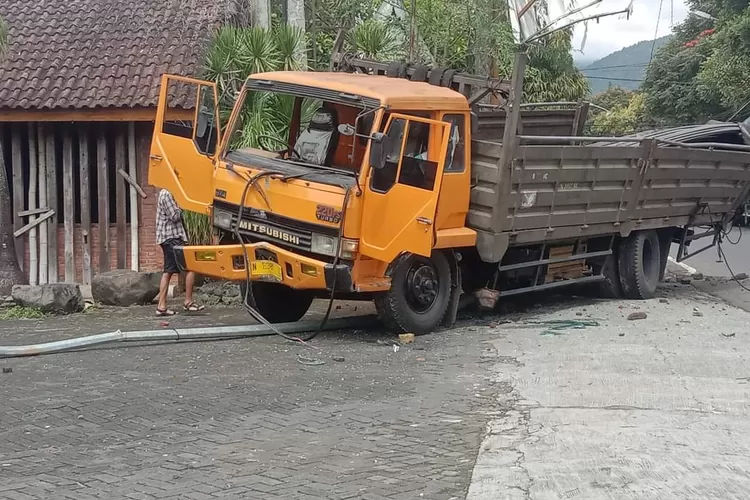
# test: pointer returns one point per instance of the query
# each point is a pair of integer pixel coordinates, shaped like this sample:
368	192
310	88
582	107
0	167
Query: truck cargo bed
558	192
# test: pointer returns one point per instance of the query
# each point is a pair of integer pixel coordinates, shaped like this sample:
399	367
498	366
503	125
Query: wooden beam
120	203
33	224
134	190
18	187
33	182
43	230
103	194
83	155
138	189
92	115
53	275
69	207
33	211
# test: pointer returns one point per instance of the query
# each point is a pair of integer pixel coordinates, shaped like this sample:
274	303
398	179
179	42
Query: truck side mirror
474	122
378	150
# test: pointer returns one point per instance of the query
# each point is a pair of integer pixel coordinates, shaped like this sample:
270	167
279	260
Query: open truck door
406	170
185	143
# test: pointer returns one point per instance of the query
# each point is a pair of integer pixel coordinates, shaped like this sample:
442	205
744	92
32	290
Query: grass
20	312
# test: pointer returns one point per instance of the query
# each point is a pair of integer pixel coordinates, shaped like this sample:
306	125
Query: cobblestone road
242	418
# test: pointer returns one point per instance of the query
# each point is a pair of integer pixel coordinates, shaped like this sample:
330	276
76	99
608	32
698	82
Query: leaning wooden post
33	263
68	207
18	188
103	181
133	171
85	178
120	202
52	204
42	164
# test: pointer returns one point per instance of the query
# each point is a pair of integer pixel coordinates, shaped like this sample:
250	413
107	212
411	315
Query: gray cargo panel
560	192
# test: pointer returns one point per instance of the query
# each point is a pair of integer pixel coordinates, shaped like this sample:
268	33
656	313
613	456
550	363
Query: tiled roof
65	54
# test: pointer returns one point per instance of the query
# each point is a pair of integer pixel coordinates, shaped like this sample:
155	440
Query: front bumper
228	262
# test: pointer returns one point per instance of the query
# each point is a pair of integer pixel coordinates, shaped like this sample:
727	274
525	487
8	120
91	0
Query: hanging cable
252	182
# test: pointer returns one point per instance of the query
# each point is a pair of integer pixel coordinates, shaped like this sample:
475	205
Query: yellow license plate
265	270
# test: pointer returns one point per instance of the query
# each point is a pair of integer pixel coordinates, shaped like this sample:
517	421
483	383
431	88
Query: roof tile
89	53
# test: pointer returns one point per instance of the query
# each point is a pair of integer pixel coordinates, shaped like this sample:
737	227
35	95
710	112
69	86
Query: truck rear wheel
419	295
276	302
640	264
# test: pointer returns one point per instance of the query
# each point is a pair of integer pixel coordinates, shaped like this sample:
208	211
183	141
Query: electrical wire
252	182
656	33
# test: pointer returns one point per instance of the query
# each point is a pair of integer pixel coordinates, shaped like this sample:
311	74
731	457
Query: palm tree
10	272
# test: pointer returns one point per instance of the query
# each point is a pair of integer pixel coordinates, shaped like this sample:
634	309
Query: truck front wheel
275	302
419	295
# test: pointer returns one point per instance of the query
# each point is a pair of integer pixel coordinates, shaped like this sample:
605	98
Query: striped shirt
168	219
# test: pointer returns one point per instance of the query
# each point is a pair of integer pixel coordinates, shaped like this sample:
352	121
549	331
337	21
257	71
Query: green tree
725	72
699	74
621	119
10	272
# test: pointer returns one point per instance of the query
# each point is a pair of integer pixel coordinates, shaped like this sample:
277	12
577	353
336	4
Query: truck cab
362	189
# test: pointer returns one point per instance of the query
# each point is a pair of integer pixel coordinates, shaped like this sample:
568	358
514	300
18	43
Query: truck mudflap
268	263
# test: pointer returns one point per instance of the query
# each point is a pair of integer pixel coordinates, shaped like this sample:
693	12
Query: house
78	95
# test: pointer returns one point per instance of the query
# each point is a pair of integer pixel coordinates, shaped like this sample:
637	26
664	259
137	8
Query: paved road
738	256
498	408
649	409
242	418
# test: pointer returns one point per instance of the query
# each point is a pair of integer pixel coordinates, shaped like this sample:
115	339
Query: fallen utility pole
180	334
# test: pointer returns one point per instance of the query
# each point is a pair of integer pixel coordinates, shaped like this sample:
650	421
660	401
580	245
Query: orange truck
397	184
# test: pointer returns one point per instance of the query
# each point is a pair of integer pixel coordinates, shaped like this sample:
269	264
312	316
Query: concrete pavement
656	408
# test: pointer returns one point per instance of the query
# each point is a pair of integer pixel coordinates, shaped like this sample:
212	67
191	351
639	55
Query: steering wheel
286	149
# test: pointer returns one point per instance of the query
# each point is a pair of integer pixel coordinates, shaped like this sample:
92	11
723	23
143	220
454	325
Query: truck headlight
326	245
222	219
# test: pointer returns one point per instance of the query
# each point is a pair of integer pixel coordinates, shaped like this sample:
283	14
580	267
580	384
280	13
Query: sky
613	33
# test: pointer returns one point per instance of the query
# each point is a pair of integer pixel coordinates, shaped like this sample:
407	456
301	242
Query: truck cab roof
397	93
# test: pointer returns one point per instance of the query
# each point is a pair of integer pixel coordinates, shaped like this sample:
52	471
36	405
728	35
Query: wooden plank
134	190
43	230
138	189
18	188
52	267
33	211
33	182
69	207
33	224
120	203
83	155
103	188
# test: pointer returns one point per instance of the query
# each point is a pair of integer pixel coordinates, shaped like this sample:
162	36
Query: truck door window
383	179
456	159
418	169
203	133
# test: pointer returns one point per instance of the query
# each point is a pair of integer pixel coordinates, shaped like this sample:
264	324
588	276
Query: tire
610	287
277	303
640	265
419	295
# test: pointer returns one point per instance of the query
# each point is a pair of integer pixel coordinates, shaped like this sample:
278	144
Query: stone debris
637	315
125	287
58	298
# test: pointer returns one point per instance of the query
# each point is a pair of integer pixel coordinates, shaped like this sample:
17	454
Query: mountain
624	68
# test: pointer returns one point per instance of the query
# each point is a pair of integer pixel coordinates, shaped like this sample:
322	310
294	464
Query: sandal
164	312
193	307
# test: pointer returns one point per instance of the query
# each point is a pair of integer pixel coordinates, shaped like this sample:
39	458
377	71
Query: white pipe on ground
221	332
